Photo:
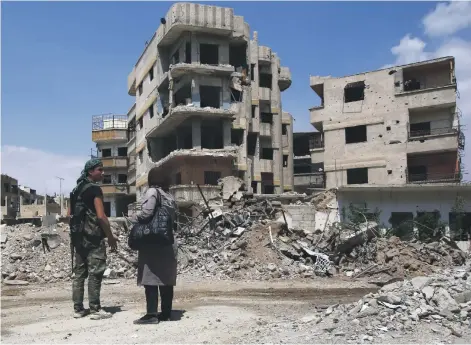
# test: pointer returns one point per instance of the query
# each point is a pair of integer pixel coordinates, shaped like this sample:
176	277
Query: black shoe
164	316
147	319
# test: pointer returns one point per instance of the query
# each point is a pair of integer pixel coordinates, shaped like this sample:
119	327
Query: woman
157	264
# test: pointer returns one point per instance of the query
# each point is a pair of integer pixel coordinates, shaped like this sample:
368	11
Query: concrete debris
400	307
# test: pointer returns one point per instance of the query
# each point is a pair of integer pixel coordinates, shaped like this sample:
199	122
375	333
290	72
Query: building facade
10	196
208	105
391	145
110	133
395	126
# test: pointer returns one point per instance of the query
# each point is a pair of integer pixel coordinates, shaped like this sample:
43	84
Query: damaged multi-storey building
111	135
208	105
391	140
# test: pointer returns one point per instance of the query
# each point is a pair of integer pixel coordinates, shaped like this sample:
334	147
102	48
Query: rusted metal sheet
109	135
113	162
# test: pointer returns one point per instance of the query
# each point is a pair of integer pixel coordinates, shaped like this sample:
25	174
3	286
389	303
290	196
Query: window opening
265	80
354	92
355	134
188	52
122	151
267	153
122	178
210	96
209	54
106	179
357	176
212	177
266	117
106	152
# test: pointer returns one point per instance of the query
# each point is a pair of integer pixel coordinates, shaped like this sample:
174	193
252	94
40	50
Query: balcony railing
441	177
316	144
432	132
313	180
109	121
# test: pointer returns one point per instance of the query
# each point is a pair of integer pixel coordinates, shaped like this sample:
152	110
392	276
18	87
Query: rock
16	256
271	267
463	297
58	275
390	298
239	231
28	237
428	292
392	286
391	254
420	282
16	282
48	268
110	274
369	311
444	300
311	318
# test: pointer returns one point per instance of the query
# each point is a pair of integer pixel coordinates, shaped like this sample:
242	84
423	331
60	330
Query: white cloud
38	169
447	18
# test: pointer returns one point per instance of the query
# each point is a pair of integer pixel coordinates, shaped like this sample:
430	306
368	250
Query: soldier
88	228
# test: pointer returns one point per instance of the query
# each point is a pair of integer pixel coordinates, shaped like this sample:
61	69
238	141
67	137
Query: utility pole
60	191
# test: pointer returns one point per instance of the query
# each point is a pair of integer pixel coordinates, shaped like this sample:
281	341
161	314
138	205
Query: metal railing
109	121
313	180
432	131
316	143
454	177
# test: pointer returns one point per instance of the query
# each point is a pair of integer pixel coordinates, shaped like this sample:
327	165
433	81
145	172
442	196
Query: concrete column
113	207
195	93
226	133
194	49
196	133
259	187
256	158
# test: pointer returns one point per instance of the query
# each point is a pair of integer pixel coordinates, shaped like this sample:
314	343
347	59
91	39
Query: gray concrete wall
302	217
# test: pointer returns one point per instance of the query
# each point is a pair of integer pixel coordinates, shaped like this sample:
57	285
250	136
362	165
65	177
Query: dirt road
204	312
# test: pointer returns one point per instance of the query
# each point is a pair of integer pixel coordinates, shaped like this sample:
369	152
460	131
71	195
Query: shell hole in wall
397	122
388	128
380	135
389	172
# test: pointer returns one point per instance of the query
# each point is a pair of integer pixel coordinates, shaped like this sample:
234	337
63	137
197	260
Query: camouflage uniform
91	263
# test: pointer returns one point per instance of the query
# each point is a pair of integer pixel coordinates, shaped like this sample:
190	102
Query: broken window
284	129
254	185
209	54
251	144
238	55
178	178
183	95
176	57
265	80
266	117
419	129
253	111
151	73
236	95
212	135
122	178
402	224
122	151
357	176
141	123
267	153
252	72
237	136
354	92
285	161
355	134
106	179
411	84
210	96
106	152
141	157
151	111
417	173
212	177
140	88
188	52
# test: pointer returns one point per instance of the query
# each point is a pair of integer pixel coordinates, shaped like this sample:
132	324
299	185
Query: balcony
189	194
265	129
442	167
132	83
112	189
109	128
264	54
284	79
312	180
264	94
181	69
316	144
114	162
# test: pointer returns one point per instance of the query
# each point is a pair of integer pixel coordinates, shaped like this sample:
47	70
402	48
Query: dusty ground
204	312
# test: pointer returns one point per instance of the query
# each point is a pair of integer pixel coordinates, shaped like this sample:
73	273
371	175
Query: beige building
208	105
391	141
394	126
110	133
10	196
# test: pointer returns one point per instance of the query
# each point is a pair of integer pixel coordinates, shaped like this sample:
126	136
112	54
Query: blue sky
63	62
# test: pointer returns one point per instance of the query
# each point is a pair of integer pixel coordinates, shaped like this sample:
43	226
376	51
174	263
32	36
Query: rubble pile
42	254
441	301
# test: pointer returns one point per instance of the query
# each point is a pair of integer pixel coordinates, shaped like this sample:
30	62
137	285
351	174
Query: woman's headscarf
90	165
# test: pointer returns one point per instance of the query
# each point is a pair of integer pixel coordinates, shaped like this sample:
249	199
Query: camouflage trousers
91	264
